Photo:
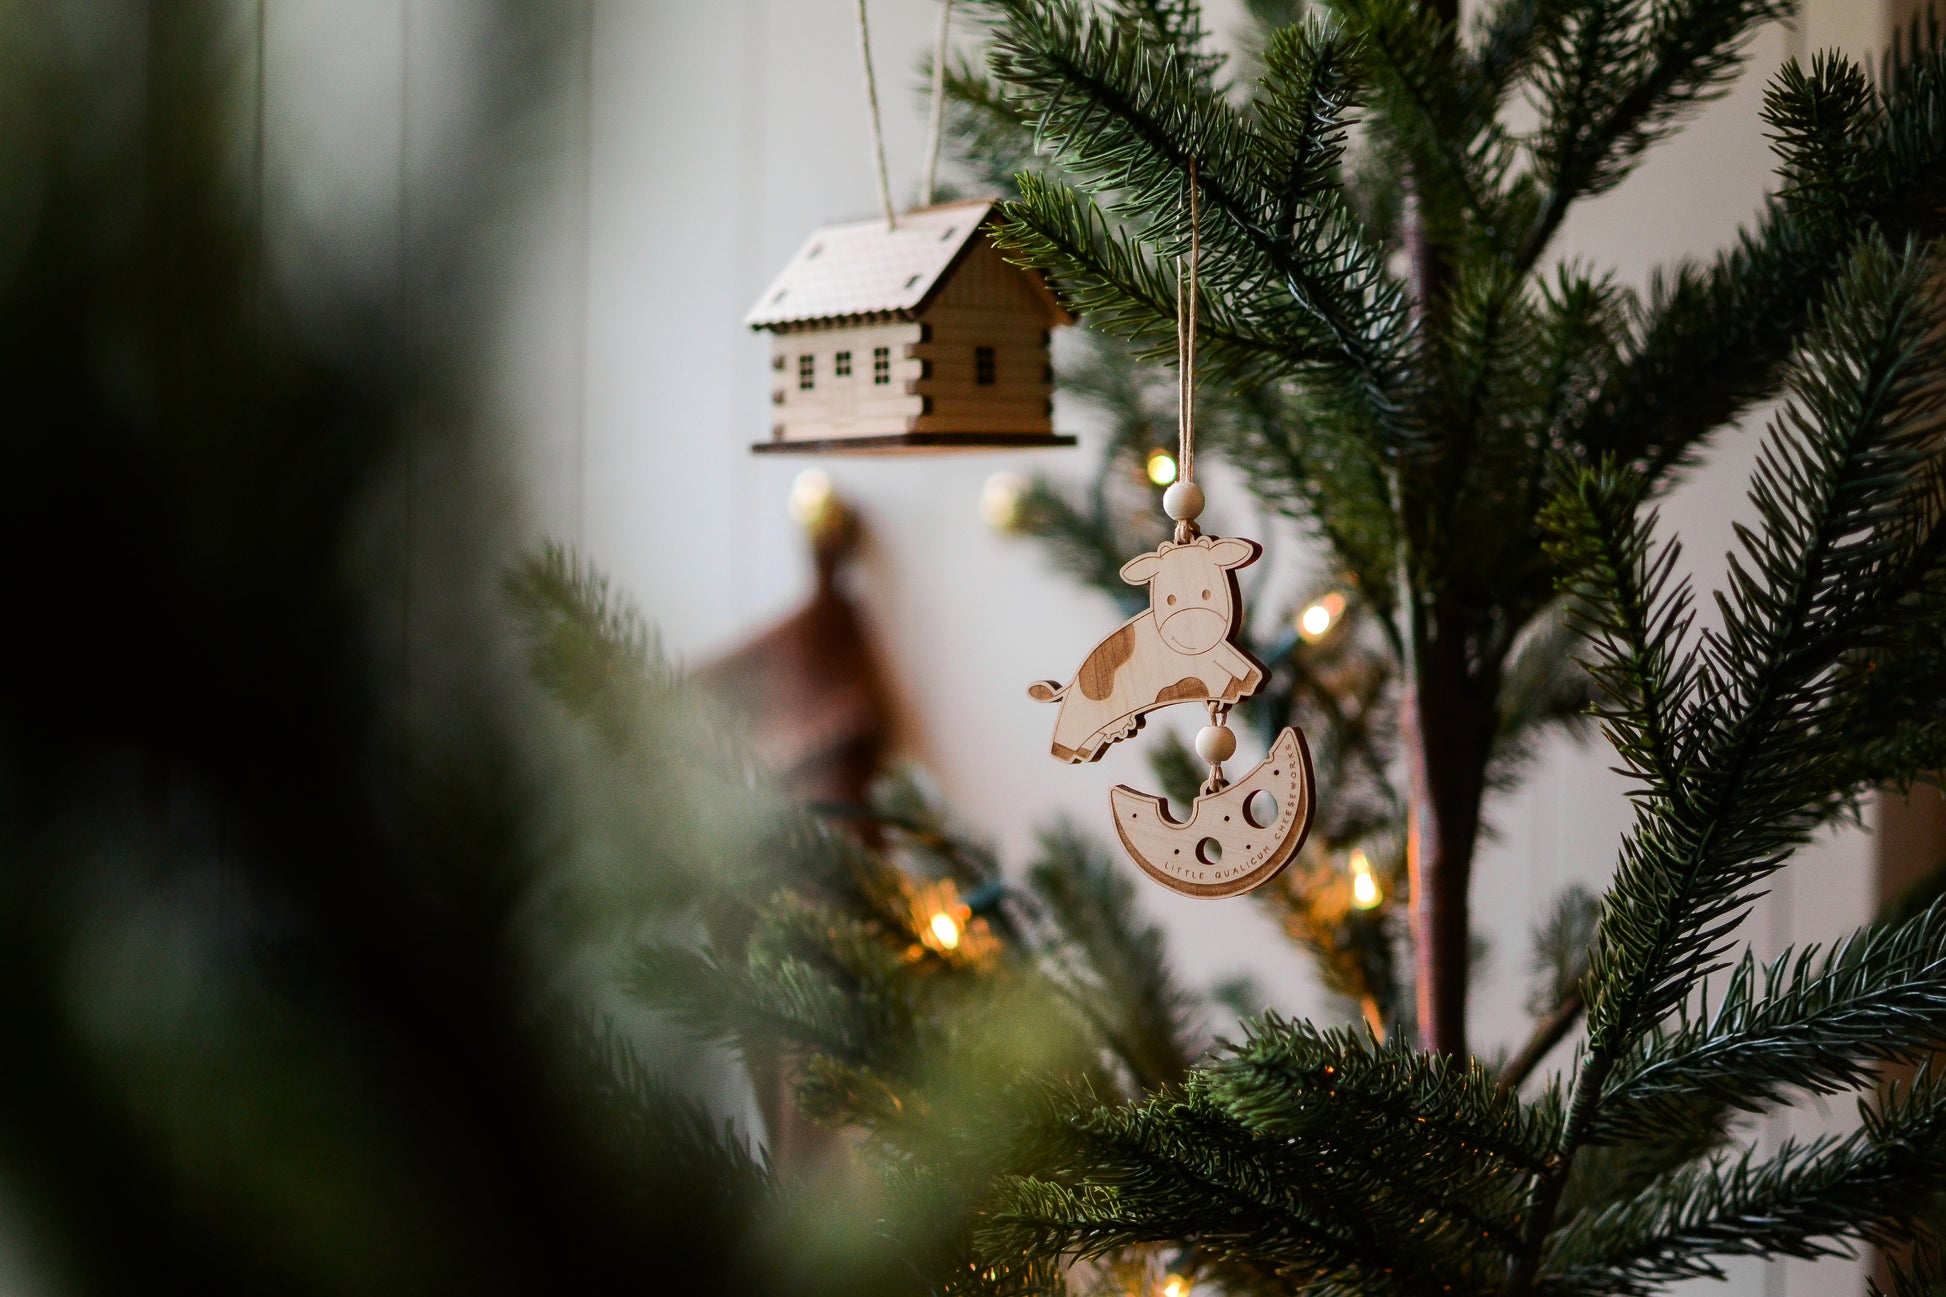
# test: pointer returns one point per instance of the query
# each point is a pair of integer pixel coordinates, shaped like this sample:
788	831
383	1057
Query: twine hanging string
1186	310
936	127
878	133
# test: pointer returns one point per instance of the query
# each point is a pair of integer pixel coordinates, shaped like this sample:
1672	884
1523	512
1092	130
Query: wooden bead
1216	744
1183	502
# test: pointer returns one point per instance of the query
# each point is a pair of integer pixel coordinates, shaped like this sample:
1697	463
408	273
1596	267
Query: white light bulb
810	497
1000	500
1318	618
1364	885
945	931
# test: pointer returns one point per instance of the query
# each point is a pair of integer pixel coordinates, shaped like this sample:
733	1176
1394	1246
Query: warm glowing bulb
1000	501
1175	1286
1320	617
1162	467
810	497
1364	886
945	931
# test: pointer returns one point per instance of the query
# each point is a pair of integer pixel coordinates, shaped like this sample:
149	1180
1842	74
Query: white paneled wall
696	145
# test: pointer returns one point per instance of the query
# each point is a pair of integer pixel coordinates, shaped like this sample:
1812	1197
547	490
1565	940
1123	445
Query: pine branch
1818	1025
1560	963
1712	342
588	647
989	133
1635	615
1523	363
1846	493
1111	960
1507	37
1183	1167
1804	1201
1120	113
1438	121
810	979
1616	77
1321	476
1105	276
1920	1276
1087	543
1543	689
671	1132
1839	550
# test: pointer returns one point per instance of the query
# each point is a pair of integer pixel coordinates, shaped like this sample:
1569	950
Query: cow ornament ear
1234	551
1141	569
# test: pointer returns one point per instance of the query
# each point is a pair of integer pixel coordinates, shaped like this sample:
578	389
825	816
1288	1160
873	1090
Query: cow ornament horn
1184	650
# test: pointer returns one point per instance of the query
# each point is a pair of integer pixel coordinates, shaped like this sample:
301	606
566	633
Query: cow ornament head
1192	589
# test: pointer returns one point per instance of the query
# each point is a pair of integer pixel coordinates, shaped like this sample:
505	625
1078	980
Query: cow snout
1194	630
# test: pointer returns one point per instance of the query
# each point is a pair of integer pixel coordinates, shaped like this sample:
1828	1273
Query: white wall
716	135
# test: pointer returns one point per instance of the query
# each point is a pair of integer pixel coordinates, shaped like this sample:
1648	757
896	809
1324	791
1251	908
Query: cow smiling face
1192	594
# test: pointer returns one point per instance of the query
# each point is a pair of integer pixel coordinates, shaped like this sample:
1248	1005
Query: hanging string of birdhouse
1240	834
878	130
936	120
936	123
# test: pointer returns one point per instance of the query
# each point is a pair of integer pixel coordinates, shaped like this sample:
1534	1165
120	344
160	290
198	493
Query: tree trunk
1446	730
1446	718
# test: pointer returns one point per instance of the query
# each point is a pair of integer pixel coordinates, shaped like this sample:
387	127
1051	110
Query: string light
1000	501
810	497
1175	1286
1161	467
1317	619
945	929
1364	884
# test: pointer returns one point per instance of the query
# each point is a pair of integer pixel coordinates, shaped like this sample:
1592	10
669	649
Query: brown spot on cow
1186	688
1097	678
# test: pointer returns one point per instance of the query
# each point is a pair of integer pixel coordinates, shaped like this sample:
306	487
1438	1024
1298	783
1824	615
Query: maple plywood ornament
909	333
1183	649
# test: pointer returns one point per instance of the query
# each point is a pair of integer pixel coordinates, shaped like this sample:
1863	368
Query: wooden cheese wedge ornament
1236	838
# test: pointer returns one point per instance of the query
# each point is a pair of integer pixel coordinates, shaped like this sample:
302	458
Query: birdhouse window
841	364
983	366
807	373
881	366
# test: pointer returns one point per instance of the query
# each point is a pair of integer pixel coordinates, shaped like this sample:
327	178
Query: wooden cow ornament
1181	650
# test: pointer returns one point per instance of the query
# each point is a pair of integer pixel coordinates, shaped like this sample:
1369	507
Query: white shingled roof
861	268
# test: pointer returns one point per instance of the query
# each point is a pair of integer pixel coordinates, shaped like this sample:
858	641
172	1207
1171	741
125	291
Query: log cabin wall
853	403
985	303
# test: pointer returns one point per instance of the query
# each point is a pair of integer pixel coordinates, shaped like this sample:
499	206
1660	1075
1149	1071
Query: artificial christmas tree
1477	436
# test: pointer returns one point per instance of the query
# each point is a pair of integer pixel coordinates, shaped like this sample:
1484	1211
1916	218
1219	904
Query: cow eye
1172	599
1205	594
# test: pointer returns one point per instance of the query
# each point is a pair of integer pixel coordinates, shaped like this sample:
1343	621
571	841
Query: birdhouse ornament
1183	649
906	335
909	332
